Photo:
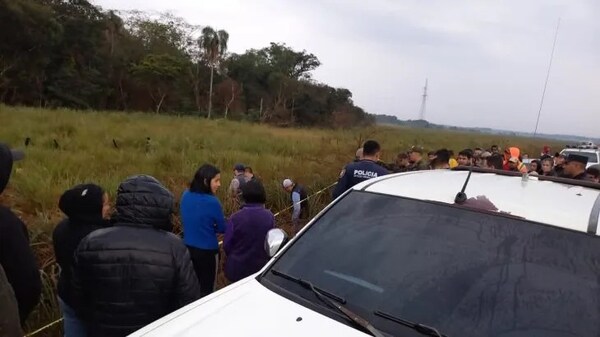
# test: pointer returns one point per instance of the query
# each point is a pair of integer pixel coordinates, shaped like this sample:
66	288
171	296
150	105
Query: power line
537	123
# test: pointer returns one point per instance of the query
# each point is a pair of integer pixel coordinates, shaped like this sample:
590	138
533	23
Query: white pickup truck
406	255
587	149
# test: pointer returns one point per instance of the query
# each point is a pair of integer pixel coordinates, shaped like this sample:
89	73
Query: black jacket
83	206
65	238
129	275
16	257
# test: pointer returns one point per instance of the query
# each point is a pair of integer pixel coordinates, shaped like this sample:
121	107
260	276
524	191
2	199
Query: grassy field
177	147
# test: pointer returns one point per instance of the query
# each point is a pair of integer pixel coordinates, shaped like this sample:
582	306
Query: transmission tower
423	103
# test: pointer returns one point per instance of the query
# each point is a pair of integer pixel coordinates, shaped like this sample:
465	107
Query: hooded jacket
514	152
16	256
83	206
131	274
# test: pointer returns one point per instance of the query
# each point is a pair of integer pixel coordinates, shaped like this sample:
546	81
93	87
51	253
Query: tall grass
177	147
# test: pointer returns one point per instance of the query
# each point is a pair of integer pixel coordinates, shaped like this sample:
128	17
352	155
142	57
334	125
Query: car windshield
465	272
592	156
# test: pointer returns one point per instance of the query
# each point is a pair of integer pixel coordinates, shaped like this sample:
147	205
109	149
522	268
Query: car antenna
461	196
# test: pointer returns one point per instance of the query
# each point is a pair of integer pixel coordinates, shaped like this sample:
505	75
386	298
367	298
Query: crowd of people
368	164
122	269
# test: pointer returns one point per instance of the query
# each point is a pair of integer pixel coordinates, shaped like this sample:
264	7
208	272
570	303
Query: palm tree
214	45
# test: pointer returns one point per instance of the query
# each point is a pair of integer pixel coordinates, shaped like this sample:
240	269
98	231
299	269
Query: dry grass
178	146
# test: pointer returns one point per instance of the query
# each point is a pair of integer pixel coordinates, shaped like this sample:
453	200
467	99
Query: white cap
287	183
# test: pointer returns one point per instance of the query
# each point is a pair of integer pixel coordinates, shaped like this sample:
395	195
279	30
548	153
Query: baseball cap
486	154
239	167
577	158
287	183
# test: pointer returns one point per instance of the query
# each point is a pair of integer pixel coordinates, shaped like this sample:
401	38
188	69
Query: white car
591	152
427	253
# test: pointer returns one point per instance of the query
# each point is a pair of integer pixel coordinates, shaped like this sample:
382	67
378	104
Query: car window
592	156
468	273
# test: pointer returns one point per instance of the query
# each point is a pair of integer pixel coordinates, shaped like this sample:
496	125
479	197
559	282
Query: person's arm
79	298
234	187
343	183
187	288
19	264
229	237
297	208
218	217
10	324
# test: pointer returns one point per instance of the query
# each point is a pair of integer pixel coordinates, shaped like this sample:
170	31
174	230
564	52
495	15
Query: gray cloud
486	61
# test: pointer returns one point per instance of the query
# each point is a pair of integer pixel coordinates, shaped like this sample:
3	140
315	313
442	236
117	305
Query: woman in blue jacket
202	217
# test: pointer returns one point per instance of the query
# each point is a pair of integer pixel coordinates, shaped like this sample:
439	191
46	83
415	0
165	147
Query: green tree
158	72
70	53
214	45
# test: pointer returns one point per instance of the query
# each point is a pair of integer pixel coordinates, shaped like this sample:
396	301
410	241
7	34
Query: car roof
581	150
550	201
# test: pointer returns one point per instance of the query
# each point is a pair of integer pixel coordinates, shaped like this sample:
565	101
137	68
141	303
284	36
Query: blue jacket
244	241
202	217
357	172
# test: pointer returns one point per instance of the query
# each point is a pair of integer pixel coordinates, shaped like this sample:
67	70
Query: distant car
411	255
590	151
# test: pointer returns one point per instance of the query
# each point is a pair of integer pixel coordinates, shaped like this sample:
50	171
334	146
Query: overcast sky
486	61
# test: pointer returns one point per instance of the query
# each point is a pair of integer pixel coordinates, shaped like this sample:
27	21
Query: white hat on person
287	183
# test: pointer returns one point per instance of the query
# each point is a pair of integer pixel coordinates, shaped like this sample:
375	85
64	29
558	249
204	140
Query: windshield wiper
421	328
326	297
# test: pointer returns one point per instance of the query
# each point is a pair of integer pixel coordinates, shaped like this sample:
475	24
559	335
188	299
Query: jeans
73	326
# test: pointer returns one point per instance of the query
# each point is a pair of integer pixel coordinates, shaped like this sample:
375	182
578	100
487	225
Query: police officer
418	163
361	170
574	167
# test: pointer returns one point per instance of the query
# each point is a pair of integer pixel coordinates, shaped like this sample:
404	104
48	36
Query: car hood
246	308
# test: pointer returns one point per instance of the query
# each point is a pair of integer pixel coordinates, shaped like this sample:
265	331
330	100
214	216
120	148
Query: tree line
70	53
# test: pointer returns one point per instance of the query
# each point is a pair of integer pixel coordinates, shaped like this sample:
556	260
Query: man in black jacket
16	257
131	274
574	167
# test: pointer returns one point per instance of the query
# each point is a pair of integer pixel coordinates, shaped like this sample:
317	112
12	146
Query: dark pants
206	263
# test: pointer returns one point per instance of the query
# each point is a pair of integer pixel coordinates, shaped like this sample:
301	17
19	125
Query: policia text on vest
358	172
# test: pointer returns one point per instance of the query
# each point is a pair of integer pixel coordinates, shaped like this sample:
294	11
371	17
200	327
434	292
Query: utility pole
423	103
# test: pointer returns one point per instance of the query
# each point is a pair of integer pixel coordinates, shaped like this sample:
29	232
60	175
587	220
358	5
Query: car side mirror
275	239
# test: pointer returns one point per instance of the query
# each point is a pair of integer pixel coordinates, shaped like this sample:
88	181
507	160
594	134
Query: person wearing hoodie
16	257
245	235
86	207
512	161
135	272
